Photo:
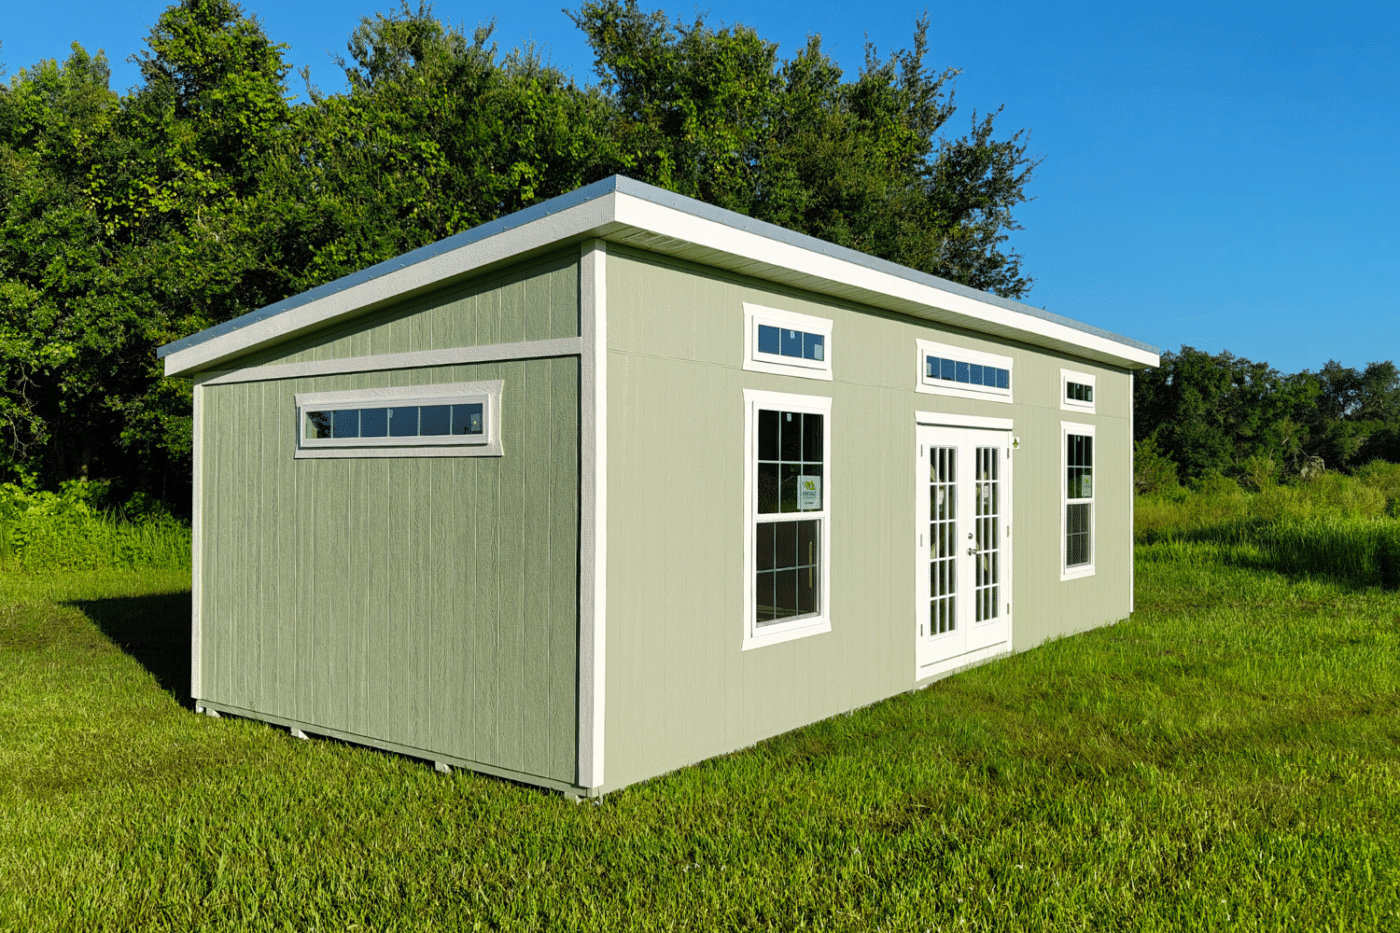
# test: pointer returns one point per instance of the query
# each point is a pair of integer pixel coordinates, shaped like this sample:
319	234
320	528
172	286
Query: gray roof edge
663	198
527	215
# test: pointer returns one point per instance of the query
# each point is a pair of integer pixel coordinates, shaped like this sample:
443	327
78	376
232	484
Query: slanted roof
621	210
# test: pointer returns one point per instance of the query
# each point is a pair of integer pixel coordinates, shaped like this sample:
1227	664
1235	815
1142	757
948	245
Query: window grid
952	370
988	566
1079	495
1079	392
797	344
396	421
787	553
943	544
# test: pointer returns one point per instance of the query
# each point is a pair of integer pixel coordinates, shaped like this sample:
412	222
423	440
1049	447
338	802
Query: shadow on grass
155	630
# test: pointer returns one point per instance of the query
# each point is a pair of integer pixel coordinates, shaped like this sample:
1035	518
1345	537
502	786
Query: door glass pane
943	556
987	496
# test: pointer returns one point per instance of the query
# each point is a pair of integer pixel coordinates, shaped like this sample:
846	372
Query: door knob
972	550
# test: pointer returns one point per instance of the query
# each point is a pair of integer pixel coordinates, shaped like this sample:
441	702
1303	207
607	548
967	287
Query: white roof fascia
589	218
622	215
877	288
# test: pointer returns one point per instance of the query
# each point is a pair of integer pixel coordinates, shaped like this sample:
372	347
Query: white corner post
593	511
1132	492
196	536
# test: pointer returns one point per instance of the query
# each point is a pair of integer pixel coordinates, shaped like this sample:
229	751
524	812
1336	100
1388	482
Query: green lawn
1227	759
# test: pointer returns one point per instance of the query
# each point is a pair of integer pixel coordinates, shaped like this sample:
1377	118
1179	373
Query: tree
718	115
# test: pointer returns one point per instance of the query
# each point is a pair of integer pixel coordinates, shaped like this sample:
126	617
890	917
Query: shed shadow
154	629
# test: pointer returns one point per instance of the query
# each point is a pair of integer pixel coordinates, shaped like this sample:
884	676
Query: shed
624	481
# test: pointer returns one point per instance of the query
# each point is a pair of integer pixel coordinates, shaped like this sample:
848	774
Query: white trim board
952	420
737	245
418	359
593	514
196	542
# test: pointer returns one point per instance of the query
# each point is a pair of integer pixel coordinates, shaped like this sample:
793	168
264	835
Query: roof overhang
621	210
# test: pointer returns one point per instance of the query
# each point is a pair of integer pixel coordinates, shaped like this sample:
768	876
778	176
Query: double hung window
788	507
1077	536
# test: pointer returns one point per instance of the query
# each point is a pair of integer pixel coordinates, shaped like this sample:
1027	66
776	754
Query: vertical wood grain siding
428	602
679	687
537	301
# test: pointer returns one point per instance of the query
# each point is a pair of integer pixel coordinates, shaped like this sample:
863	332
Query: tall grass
71	530
1337	526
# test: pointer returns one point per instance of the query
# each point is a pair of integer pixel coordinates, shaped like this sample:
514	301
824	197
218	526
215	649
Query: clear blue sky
1221	176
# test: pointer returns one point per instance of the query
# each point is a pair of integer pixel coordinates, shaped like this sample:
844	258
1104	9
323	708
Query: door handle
972	551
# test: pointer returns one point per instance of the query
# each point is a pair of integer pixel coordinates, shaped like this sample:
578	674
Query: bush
70	530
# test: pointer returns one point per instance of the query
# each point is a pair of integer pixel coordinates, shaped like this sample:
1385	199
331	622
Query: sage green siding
534	301
429	602
679	687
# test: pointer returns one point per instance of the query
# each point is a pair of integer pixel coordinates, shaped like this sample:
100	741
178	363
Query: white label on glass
809	493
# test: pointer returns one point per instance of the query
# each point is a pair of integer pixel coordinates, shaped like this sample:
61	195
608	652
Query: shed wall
679	687
428	603
535	301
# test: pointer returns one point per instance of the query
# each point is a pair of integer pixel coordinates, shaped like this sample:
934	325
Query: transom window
425	421
1076	390
949	370
786	343
1078	500
973	374
405	421
788	526
796	344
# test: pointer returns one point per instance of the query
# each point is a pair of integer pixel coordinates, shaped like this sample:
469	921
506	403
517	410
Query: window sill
787	369
775	634
1076	573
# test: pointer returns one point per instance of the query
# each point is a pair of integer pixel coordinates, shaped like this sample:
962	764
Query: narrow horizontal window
786	343
949	370
429	421
466	421
798	345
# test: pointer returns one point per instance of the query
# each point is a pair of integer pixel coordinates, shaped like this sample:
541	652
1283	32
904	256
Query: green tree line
128	220
1200	414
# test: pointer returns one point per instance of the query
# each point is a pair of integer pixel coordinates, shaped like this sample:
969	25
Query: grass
1226	759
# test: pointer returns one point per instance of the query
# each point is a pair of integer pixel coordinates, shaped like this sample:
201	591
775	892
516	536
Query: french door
963	533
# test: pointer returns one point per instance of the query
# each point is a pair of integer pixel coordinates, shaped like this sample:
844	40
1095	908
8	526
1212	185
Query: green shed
624	481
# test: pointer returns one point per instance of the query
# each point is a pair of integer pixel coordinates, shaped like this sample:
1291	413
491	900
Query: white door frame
971	642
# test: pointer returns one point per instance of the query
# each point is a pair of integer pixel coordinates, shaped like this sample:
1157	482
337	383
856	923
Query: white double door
963	554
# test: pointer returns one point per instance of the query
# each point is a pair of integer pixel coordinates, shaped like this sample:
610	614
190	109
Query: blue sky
1222	176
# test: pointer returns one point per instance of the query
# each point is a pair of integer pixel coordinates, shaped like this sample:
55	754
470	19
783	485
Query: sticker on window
809	493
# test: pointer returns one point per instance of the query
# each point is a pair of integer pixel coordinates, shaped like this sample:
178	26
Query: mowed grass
1226	759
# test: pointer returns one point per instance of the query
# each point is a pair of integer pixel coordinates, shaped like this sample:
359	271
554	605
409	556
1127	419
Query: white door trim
974	641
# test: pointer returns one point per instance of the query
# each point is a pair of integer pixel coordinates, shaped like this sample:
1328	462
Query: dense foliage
130	220
1199	415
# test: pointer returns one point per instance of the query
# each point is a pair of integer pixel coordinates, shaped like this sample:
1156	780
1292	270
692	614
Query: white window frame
922	383
1068	404
1082	570
775	363
488	393
756	636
